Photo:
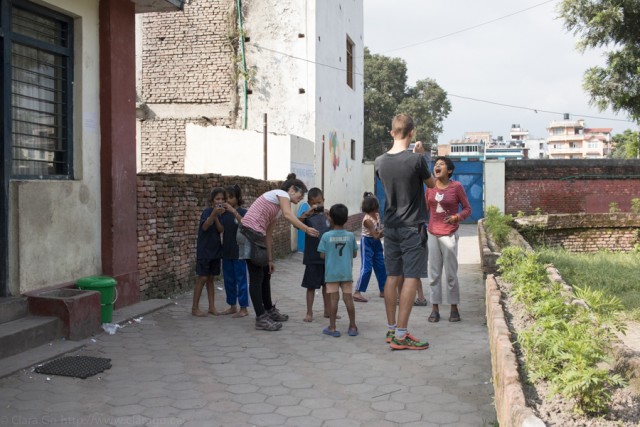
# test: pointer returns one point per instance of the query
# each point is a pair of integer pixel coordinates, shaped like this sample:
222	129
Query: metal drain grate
75	366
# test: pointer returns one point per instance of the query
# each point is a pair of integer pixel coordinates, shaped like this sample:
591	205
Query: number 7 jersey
339	248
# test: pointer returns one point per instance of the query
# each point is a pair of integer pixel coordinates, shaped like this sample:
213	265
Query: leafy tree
386	94
626	145
613	24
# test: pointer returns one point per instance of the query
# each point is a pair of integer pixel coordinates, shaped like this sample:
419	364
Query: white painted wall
54	226
340	108
237	152
494	183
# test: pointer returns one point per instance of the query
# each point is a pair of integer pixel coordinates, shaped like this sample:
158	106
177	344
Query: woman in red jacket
444	202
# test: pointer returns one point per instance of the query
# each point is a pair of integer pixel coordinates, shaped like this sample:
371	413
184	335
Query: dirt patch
555	410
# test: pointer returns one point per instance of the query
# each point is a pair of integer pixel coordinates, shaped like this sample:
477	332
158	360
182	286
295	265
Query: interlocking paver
174	369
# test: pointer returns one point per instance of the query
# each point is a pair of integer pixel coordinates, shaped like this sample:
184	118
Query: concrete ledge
510	403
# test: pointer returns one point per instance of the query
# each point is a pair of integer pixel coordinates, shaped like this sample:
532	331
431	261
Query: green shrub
498	225
565	343
635	205
613	207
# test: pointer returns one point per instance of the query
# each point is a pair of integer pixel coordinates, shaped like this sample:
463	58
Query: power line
536	110
304	59
469	28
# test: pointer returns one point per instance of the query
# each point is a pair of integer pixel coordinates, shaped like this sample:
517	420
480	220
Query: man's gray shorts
404	254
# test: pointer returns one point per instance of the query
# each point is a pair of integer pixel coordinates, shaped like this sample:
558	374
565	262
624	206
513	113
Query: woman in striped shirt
261	218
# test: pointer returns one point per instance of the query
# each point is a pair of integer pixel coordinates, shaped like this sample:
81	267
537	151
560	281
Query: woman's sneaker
265	323
276	316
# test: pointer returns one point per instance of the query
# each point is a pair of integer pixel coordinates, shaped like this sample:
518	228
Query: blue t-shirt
229	242
209	242
339	248
320	223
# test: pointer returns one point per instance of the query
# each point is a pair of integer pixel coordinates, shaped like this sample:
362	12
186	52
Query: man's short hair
402	125
339	214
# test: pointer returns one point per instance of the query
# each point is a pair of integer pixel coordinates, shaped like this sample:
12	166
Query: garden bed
520	403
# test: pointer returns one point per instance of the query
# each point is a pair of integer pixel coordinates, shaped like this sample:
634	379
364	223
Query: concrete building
209	74
68	169
482	146
571	139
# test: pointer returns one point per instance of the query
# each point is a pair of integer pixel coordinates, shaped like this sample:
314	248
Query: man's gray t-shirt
402	175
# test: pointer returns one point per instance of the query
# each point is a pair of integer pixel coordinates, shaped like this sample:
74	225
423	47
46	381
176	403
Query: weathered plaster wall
54	226
340	108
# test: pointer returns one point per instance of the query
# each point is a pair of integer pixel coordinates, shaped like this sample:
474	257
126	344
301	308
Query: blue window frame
37	78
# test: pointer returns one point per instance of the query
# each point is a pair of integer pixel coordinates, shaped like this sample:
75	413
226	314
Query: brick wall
570	186
163	145
583	232
187	56
169	208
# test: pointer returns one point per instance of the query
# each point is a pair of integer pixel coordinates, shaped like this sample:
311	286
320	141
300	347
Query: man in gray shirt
403	174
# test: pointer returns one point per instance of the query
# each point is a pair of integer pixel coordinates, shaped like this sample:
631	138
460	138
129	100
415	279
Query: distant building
571	139
482	146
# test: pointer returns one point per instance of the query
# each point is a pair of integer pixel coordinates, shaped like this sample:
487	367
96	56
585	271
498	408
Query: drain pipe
244	63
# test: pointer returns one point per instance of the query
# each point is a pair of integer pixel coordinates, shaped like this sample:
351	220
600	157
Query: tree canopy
386	94
613	25
626	145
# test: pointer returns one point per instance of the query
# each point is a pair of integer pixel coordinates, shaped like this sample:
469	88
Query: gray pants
443	252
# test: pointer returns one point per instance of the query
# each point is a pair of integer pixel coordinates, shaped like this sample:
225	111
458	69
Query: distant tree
626	145
386	94
614	25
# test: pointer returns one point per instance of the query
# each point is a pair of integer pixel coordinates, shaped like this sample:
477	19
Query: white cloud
527	60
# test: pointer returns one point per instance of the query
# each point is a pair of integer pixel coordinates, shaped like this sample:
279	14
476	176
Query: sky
527	59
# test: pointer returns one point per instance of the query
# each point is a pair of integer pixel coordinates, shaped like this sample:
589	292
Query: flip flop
353	332
360	299
434	317
420	302
454	316
335	333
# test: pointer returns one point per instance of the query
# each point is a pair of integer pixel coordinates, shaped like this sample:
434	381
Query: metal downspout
244	63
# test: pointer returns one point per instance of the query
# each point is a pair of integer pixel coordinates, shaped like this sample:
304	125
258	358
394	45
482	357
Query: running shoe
276	316
408	343
265	323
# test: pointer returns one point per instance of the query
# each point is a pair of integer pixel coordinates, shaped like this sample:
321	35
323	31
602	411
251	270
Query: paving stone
257	408
387	406
267	420
402	416
293	411
304	422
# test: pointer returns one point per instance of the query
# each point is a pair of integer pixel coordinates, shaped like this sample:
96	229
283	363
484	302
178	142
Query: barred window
40	65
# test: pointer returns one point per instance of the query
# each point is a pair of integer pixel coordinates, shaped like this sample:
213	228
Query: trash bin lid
96	282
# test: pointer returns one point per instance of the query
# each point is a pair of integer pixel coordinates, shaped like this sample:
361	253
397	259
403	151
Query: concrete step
27	332
12	308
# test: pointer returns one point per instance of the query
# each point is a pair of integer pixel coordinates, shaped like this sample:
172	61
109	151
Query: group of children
328	258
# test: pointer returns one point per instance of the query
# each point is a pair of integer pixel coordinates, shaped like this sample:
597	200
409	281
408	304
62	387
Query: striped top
264	211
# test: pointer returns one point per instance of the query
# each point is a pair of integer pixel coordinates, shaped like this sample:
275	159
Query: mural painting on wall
334	149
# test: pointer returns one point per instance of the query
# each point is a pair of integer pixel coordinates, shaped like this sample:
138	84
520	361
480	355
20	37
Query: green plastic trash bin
108	293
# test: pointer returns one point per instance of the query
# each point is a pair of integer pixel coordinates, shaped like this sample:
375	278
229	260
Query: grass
615	273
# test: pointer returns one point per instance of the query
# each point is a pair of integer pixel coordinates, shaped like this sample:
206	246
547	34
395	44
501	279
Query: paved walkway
174	369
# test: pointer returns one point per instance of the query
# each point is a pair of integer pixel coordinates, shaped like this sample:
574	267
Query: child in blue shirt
338	247
313	278
234	269
208	251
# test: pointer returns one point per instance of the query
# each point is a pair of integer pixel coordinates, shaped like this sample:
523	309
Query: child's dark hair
235	191
216	191
292	181
369	203
313	193
339	214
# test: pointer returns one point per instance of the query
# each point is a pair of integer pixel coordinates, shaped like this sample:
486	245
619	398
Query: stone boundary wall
169	208
583	232
510	403
570	186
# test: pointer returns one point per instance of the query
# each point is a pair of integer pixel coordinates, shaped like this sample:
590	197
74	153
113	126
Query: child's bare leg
333	310
242	313
351	310
211	296
231	310
310	297
197	292
327	304
420	292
